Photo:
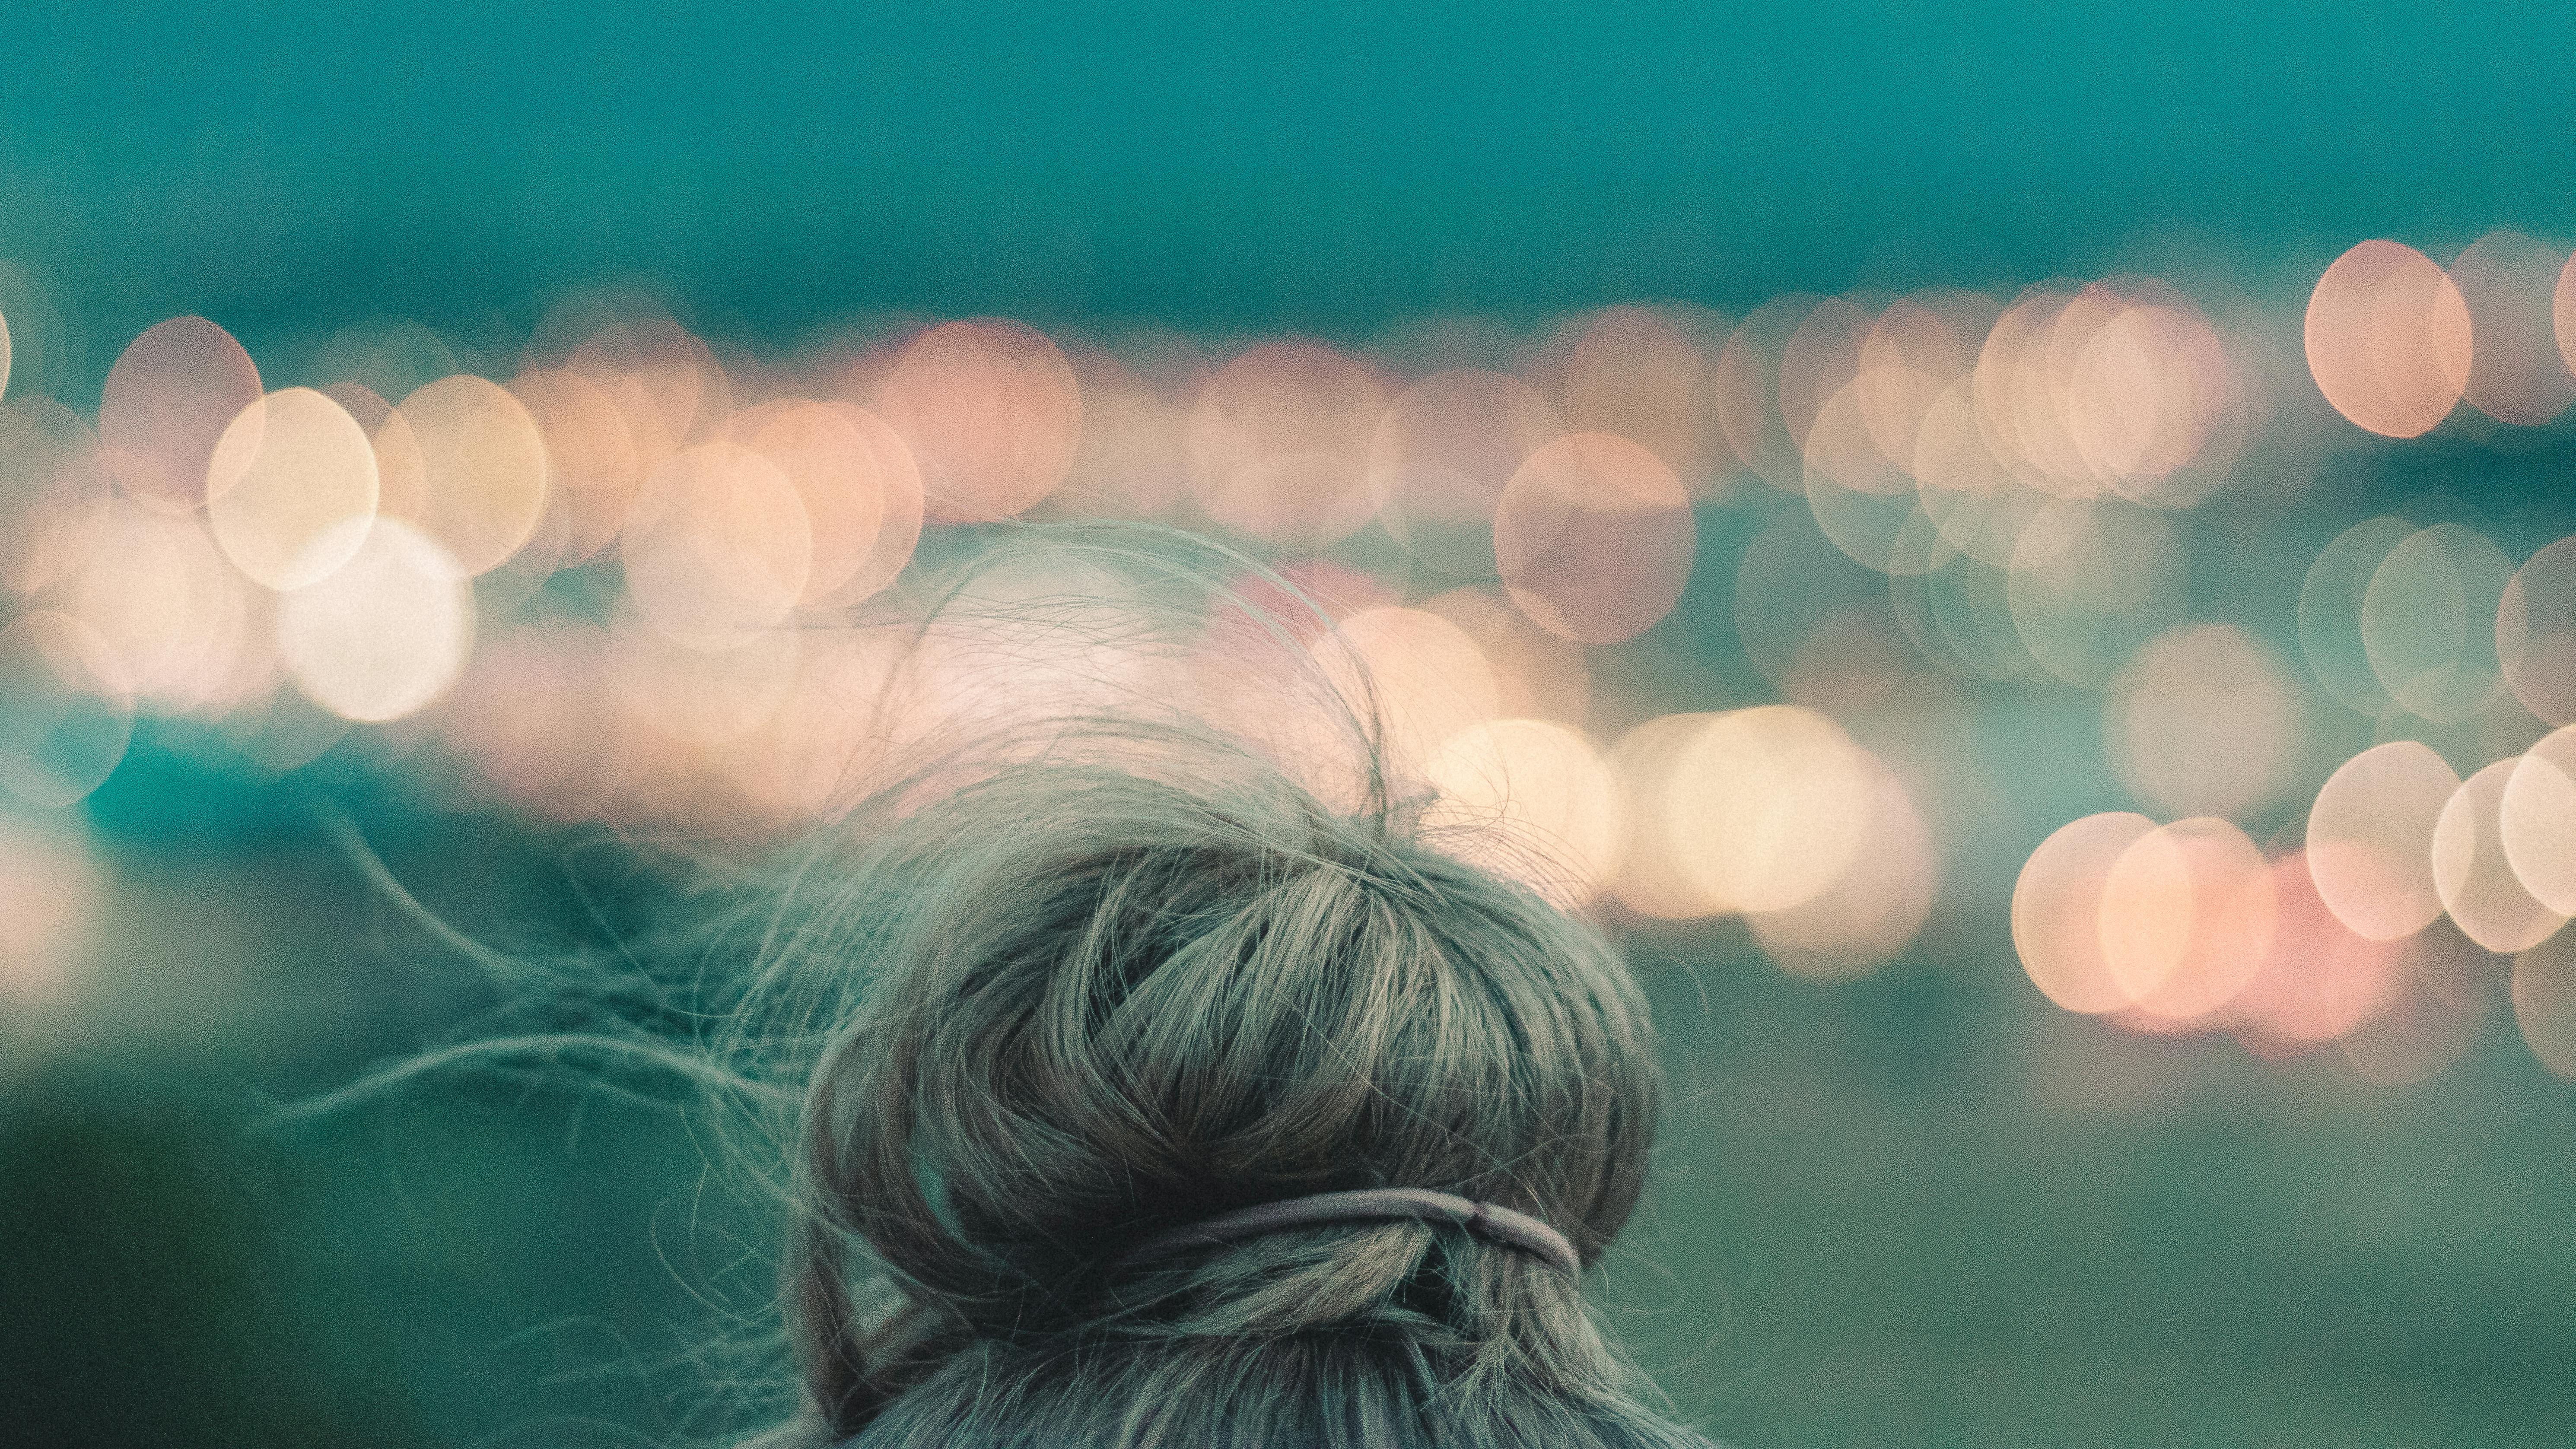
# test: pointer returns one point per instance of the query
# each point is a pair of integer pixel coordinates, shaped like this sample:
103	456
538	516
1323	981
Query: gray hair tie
1489	1221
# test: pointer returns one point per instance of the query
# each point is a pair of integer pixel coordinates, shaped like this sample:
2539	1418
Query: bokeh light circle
2388	339
300	489
1768	807
170	396
2201	722
66	710
1594	538
483	470
2479	888
2370	839
717	545
2187	919
2057	911
1531	800
1278	443
2509	284
384	635
2536	821
2426	621
2536	633
991	412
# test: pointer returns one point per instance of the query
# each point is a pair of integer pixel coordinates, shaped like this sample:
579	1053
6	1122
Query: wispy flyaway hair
1114	963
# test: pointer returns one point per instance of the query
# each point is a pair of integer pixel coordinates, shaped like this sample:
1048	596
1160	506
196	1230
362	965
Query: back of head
1107	1002
1114	970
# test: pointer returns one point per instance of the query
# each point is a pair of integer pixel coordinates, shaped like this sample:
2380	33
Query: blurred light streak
2201	722
1594	538
299	489
2479	888
2057	915
2389	339
992	413
2425	621
170	396
385	634
2509	283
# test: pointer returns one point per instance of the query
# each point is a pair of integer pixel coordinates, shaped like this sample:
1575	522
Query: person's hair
1101	976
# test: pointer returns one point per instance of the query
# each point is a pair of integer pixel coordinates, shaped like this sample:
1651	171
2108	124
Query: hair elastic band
1486	1220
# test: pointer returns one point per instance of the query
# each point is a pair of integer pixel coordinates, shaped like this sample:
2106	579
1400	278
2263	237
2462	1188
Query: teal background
1318	165
1923	1210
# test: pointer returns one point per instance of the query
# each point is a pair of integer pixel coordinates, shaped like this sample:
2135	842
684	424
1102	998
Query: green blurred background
1925	1208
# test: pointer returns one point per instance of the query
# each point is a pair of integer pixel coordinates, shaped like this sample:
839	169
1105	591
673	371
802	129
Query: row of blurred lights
286	563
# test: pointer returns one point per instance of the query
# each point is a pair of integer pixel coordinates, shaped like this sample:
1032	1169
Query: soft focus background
2026	561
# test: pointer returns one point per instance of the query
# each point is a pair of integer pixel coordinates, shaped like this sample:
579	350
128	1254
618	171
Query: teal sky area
1320	166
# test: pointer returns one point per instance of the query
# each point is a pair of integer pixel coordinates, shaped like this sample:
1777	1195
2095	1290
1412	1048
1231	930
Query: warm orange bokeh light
1635	373
1531	800
2479	888
2319	980
717	545
2536	821
1768	807
483	470
2187	915
991	412
1594	538
170	396
2202	721
2389	339
300	489
1412	675
1279	441
2536	633
2509	284
2370	839
386	633
2057	911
